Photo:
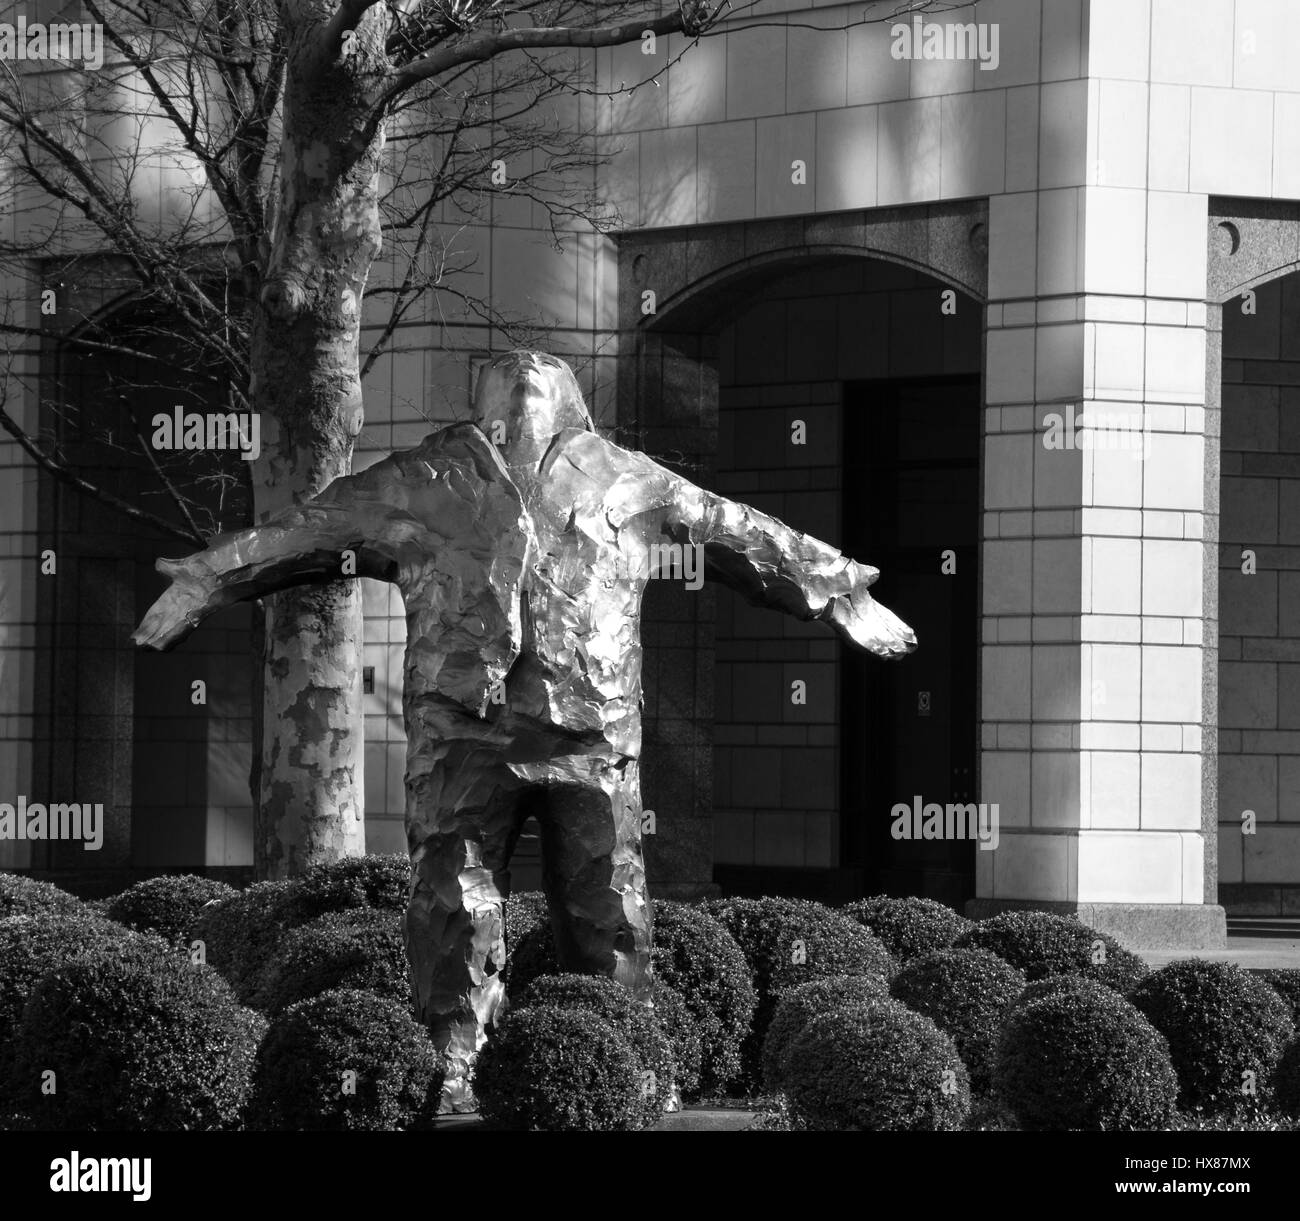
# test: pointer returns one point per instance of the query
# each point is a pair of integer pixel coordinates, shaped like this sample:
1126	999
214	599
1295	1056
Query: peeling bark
306	383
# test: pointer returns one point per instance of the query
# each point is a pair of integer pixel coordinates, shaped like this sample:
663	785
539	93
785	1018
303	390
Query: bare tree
283	143
294	138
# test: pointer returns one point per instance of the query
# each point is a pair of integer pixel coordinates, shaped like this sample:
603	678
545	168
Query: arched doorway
840	393
162	741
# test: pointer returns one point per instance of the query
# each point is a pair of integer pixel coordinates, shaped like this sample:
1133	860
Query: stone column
1096	615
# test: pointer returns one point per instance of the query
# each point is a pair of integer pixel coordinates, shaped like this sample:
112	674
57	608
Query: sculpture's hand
186	602
861	620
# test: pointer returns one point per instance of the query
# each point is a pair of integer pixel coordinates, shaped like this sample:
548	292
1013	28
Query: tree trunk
306	384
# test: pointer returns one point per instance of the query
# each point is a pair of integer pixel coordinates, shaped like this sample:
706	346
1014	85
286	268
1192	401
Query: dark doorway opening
910	728
117	721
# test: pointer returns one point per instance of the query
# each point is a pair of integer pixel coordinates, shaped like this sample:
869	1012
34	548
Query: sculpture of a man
522	565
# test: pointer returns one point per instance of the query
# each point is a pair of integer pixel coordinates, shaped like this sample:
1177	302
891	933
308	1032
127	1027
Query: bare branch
65	473
177	499
91	345
692	17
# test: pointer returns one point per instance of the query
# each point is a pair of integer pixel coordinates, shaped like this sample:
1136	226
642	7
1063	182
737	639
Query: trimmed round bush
1043	943
790	941
700	961
1055	985
876	1066
909	927
525	912
243	932
680	1028
374	881
797	1006
965	993
240	933
614	1004
693	954
553	1069
1239	1121
1285	981
23	896
1221	1023
311	1046
1286	1080
168	906
1083	1057
531	956
139	1039
357	949
29	947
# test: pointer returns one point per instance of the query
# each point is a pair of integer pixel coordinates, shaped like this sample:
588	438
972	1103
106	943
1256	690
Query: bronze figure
522	565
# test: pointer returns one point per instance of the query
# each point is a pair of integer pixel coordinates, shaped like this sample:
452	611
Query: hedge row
889	1014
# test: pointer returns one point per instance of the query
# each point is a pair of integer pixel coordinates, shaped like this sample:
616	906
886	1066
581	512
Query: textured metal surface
522	567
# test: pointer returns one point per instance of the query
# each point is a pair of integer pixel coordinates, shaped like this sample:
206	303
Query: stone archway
669	380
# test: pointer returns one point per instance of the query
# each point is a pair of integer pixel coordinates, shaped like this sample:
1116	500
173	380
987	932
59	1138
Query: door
910	728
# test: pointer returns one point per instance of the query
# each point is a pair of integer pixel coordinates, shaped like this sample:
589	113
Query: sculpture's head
523	399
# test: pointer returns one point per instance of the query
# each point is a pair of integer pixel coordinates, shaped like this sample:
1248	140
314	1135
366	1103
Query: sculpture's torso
581	625
569	647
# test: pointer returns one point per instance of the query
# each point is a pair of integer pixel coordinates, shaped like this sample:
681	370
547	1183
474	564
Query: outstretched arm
764	560
770	564
342	532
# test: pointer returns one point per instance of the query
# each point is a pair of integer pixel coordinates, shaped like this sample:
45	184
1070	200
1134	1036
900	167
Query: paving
1258	943
706	1119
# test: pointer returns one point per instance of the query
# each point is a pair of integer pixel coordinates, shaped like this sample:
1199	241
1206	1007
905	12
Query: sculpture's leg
594	872
461	830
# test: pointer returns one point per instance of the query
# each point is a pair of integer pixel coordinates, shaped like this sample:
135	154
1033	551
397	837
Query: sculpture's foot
457	1097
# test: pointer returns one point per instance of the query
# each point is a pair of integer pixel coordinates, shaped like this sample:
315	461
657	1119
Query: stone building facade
938	267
